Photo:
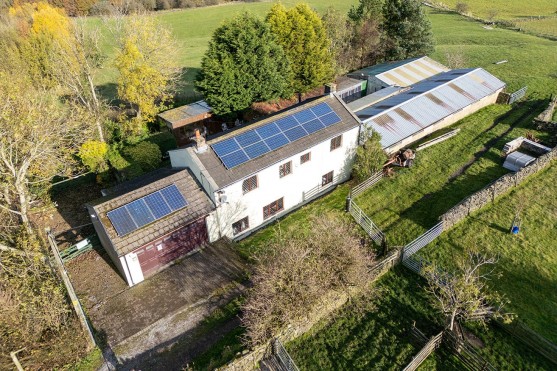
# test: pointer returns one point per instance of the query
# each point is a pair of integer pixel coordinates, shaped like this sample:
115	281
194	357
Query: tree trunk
21	190
451	326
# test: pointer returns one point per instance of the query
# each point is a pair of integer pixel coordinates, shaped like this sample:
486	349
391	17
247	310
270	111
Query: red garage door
155	255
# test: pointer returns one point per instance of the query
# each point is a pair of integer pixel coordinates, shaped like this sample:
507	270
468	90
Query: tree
38	138
244	64
407	31
462	7
304	39
93	154
340	32
298	270
370	157
463	295
77	58
366	9
146	68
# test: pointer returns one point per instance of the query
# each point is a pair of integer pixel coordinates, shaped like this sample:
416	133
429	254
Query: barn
147	223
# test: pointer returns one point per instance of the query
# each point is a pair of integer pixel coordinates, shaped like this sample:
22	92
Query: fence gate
415	246
517	95
366	223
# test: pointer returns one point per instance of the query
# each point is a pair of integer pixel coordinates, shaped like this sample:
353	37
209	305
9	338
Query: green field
537	16
528	262
375	335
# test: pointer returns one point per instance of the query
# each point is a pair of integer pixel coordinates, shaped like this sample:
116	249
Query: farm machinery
402	158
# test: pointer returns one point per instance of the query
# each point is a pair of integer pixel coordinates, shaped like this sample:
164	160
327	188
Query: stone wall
547	114
249	359
500	186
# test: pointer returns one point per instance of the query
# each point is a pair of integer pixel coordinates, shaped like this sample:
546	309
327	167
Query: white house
259	172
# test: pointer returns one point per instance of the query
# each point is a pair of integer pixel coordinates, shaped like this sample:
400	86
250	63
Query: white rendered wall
185	157
134	274
272	187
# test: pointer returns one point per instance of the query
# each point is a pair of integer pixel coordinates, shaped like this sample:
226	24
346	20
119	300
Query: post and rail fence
427	349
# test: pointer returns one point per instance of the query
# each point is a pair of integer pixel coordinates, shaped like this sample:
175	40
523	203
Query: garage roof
427	102
198	206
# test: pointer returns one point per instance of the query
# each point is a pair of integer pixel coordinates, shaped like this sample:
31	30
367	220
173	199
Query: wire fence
369	182
366	223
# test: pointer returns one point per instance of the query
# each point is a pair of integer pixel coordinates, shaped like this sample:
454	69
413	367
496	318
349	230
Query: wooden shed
182	121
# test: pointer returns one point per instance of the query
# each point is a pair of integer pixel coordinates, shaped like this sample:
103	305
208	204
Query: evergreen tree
302	34
406	30
244	64
366	9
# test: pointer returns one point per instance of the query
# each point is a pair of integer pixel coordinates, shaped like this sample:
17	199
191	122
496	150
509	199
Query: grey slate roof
198	206
224	177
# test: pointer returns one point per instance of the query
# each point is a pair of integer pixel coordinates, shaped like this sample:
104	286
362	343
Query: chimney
200	145
330	88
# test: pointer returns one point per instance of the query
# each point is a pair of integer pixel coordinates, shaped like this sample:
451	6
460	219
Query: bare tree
38	137
455	59
298	270
464	295
78	58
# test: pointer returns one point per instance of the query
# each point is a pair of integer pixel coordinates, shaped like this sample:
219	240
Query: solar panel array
147	209
269	137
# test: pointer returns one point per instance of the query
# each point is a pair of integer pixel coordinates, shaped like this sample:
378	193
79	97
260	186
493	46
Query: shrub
297	271
165	140
147	155
102	8
462	8
163	5
370	157
93	154
126	169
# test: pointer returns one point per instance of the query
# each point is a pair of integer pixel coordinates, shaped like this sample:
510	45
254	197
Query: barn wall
447	121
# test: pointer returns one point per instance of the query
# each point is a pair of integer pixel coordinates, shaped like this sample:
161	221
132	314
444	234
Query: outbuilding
147	223
182	121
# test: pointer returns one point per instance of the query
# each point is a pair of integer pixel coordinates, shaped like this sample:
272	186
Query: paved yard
155	313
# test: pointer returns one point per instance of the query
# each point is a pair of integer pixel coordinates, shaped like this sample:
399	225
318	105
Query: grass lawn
528	261
408	204
375	335
524	14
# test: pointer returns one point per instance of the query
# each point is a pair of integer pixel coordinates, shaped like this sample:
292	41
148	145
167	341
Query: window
240	226
336	142
273	208
305	158
285	169
249	184
327	178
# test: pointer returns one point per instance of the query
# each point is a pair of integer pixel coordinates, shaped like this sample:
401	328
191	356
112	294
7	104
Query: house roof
183	115
198	206
402	73
427	102
346	83
223	177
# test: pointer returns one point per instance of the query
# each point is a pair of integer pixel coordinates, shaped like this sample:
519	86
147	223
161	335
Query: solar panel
173	197
330	119
146	210
257	142
277	141
122	221
225	147
158	205
234	159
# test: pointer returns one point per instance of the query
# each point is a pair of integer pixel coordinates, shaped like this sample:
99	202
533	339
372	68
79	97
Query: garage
158	254
148	223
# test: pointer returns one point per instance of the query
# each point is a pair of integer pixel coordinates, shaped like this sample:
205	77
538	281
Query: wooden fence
415	246
468	356
366	223
428	348
369	182
531	338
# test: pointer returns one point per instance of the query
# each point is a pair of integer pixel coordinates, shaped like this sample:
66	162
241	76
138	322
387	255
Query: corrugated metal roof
178	114
517	160
403	73
373	98
427	102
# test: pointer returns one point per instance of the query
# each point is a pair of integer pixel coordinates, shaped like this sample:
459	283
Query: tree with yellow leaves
147	71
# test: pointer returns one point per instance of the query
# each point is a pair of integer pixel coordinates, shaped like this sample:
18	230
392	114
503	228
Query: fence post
348	200
75	301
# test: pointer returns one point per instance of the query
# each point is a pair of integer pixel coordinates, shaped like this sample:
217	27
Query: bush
145	154
93	154
165	140
370	157
297	271
163	5
126	169
462	8
102	8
